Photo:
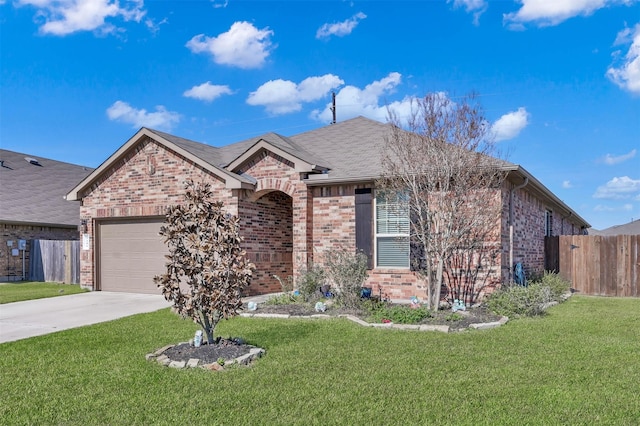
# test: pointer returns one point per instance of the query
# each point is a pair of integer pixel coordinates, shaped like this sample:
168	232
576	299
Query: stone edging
162	359
417	327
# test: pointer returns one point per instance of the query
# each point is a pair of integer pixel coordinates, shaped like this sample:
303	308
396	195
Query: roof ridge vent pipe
33	161
514	189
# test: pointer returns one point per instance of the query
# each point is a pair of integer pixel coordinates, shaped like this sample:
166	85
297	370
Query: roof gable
200	154
302	160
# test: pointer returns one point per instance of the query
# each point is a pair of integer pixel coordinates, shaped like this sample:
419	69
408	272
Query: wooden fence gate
55	261
597	265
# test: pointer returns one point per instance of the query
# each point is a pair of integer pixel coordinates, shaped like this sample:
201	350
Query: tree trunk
437	290
208	329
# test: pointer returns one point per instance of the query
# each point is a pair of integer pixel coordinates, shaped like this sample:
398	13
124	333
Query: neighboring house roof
631	228
32	190
346	152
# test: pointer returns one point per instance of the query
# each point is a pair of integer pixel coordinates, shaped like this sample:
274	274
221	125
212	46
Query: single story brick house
33	207
296	198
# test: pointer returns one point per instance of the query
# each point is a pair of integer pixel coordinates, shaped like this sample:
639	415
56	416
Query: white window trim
376	235
548	223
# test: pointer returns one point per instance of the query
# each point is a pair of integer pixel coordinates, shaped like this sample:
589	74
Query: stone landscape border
162	359
418	327
255	352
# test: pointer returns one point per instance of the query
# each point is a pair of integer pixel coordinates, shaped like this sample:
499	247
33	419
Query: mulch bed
474	315
207	354
229	349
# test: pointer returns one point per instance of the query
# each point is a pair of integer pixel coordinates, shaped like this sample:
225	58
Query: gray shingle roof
350	149
631	228
31	193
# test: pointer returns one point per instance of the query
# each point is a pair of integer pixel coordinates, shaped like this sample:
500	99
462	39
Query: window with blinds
392	232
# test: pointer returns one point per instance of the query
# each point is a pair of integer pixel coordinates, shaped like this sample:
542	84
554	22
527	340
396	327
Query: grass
577	365
16	292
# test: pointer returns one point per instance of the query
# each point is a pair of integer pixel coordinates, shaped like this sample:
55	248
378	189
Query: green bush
310	281
348	272
398	314
515	301
559	286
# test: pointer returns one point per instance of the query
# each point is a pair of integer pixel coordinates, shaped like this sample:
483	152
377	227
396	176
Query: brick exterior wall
267	227
286	224
143	183
334	227
11	266
274	173
529	215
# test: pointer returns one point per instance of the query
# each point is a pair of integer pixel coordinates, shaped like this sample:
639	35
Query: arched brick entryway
266	223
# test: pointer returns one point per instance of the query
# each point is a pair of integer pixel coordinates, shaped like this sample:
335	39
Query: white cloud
340	29
63	17
207	92
352	101
284	96
619	188
603	208
553	12
613	160
627	73
125	113
154	26
477	7
510	125
243	46
566	184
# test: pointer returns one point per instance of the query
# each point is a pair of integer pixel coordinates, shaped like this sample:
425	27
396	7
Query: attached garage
130	253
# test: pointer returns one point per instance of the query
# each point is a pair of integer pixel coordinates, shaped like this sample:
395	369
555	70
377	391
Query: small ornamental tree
206	269
444	164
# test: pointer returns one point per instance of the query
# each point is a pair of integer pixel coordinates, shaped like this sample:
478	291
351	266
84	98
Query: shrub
397	314
520	301
310	281
348	272
559	286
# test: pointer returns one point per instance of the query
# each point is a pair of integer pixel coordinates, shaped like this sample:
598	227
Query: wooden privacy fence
55	261
597	265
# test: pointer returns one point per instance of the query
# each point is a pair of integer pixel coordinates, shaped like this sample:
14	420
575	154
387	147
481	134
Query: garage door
131	253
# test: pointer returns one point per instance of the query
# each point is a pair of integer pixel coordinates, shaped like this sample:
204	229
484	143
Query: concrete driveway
20	320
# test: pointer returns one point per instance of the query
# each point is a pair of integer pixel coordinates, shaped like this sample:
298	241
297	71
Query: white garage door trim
130	253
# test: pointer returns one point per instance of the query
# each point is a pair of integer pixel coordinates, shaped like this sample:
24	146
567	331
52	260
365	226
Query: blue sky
559	80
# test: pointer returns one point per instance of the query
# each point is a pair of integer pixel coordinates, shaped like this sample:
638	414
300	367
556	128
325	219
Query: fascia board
300	165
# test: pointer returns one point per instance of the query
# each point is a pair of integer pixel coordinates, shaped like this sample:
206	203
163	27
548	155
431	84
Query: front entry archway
267	227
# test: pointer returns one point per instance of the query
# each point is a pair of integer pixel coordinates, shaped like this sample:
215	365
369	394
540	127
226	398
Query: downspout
514	189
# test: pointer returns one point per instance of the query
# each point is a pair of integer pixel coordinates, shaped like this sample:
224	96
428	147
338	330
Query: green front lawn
16	292
579	365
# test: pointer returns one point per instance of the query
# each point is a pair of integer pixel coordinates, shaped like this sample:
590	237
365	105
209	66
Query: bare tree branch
444	161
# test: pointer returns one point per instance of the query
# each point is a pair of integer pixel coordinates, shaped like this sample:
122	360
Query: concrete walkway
21	320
